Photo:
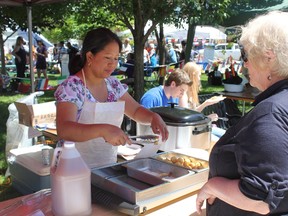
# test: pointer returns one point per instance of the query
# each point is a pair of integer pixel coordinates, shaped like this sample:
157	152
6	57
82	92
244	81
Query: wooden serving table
184	206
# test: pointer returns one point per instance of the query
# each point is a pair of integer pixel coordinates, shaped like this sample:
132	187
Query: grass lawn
7	192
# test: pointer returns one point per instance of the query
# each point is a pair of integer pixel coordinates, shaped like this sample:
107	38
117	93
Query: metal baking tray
154	171
184	161
115	179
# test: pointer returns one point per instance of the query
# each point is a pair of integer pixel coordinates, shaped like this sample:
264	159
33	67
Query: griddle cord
112	201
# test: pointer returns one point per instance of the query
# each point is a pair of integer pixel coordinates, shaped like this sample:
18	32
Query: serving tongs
144	139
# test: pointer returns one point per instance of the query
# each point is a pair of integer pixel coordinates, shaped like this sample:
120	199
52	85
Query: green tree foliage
69	29
95	14
83	16
245	10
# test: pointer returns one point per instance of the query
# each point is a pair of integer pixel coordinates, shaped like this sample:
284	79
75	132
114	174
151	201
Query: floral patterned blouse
73	90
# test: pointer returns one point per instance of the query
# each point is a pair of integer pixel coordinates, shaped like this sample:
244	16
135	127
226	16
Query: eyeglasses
244	55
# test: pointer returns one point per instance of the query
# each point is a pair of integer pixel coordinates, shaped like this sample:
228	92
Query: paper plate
128	150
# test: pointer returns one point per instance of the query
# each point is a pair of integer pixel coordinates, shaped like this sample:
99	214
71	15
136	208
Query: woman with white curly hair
248	172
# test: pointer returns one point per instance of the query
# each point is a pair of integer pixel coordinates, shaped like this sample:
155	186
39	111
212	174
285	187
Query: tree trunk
139	42
190	39
161	45
3	69
161	51
138	69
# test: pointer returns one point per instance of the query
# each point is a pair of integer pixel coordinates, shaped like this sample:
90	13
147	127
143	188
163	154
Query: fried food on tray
184	161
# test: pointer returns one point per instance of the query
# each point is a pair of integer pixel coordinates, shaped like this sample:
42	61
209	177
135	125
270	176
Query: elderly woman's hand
202	196
159	127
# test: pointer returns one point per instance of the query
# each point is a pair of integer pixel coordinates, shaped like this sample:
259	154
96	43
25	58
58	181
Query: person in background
171	54
12	56
61	50
146	59
182	54
194	54
175	87
91	103
126	48
248	166
177	50
131	61
55	52
191	100
152	55
20	57
71	50
41	55
129	80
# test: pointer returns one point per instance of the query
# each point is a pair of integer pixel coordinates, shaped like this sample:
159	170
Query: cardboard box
31	115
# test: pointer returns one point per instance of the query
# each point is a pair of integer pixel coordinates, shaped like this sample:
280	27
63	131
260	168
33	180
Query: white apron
97	152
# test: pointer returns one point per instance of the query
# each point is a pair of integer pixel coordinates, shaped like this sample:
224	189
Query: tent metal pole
29	14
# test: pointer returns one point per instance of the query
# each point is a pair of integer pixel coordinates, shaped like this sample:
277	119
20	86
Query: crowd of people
173	52
44	59
41	55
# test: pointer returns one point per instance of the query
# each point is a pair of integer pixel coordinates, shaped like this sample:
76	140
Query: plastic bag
35	204
17	134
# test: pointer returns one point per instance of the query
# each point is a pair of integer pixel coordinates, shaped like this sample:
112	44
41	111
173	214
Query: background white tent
203	32
35	38
12	39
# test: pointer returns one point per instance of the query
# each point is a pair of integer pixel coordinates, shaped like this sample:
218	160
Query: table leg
243	108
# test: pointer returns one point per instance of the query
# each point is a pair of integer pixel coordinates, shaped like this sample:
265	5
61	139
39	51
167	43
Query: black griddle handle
114	202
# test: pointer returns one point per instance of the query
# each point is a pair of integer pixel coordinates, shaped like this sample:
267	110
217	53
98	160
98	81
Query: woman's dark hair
94	41
183	43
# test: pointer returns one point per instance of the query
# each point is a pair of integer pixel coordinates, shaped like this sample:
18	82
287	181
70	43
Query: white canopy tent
9	42
35	38
203	32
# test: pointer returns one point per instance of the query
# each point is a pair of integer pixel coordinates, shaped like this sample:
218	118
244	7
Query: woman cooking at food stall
91	103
